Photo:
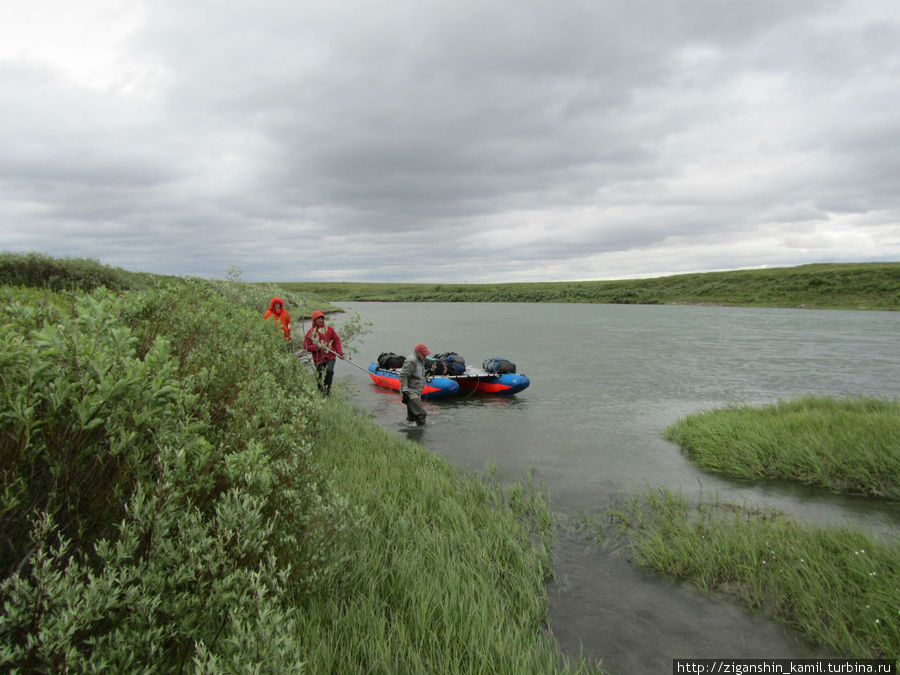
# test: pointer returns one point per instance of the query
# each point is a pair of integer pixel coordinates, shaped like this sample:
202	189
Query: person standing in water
412	382
277	312
323	343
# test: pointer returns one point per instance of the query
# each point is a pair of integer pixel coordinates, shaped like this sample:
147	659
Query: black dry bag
499	366
390	360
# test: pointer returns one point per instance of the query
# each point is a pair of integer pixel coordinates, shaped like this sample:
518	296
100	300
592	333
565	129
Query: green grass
838	587
450	575
844	444
873	286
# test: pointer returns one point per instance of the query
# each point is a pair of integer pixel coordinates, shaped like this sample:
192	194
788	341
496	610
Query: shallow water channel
606	380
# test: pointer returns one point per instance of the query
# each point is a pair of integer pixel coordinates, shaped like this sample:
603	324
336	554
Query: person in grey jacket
412	382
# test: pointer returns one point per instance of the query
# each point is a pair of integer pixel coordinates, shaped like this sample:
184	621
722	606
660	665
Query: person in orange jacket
277	312
325	346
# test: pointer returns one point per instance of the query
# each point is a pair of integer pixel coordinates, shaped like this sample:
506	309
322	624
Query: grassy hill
821	286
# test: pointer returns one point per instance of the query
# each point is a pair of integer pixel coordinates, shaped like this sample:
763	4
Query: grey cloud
309	140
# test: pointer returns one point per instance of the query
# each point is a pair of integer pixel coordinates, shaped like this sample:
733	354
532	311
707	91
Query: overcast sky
450	140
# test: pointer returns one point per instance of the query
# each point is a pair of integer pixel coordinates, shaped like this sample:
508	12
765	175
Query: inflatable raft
471	380
436	387
484	382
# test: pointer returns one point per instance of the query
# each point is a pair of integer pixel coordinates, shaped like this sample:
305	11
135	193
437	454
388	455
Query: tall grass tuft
836	586
846	444
450	574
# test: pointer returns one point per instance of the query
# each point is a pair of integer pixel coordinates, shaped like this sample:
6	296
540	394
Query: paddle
345	358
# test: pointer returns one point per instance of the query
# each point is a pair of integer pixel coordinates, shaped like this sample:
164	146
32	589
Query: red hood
272	305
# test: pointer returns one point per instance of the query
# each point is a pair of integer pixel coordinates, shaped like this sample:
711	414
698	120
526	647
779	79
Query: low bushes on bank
160	502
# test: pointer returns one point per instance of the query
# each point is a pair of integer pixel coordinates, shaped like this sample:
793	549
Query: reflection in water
606	380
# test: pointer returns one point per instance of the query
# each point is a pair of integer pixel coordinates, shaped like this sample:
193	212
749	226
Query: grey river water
606	380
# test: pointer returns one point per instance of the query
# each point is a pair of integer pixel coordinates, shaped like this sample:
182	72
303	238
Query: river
606	380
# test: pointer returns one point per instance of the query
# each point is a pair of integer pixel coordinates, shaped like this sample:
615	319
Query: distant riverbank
859	286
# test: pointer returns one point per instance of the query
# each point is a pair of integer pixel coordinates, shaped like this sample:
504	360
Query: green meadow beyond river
606	380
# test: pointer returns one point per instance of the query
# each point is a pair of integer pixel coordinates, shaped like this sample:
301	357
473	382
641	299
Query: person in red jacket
325	346
277	312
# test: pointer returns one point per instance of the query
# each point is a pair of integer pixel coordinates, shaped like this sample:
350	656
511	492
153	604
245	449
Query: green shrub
159	501
41	271
79	411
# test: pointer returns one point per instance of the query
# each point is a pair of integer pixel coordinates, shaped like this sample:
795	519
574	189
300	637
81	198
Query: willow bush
43	271
158	498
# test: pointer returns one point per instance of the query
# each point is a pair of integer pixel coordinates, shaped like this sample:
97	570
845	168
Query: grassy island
839	587
176	496
848	444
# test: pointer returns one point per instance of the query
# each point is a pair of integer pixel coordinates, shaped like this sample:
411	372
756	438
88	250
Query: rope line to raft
472	390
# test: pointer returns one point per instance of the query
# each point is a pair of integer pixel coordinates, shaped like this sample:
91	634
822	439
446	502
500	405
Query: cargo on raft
447	375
